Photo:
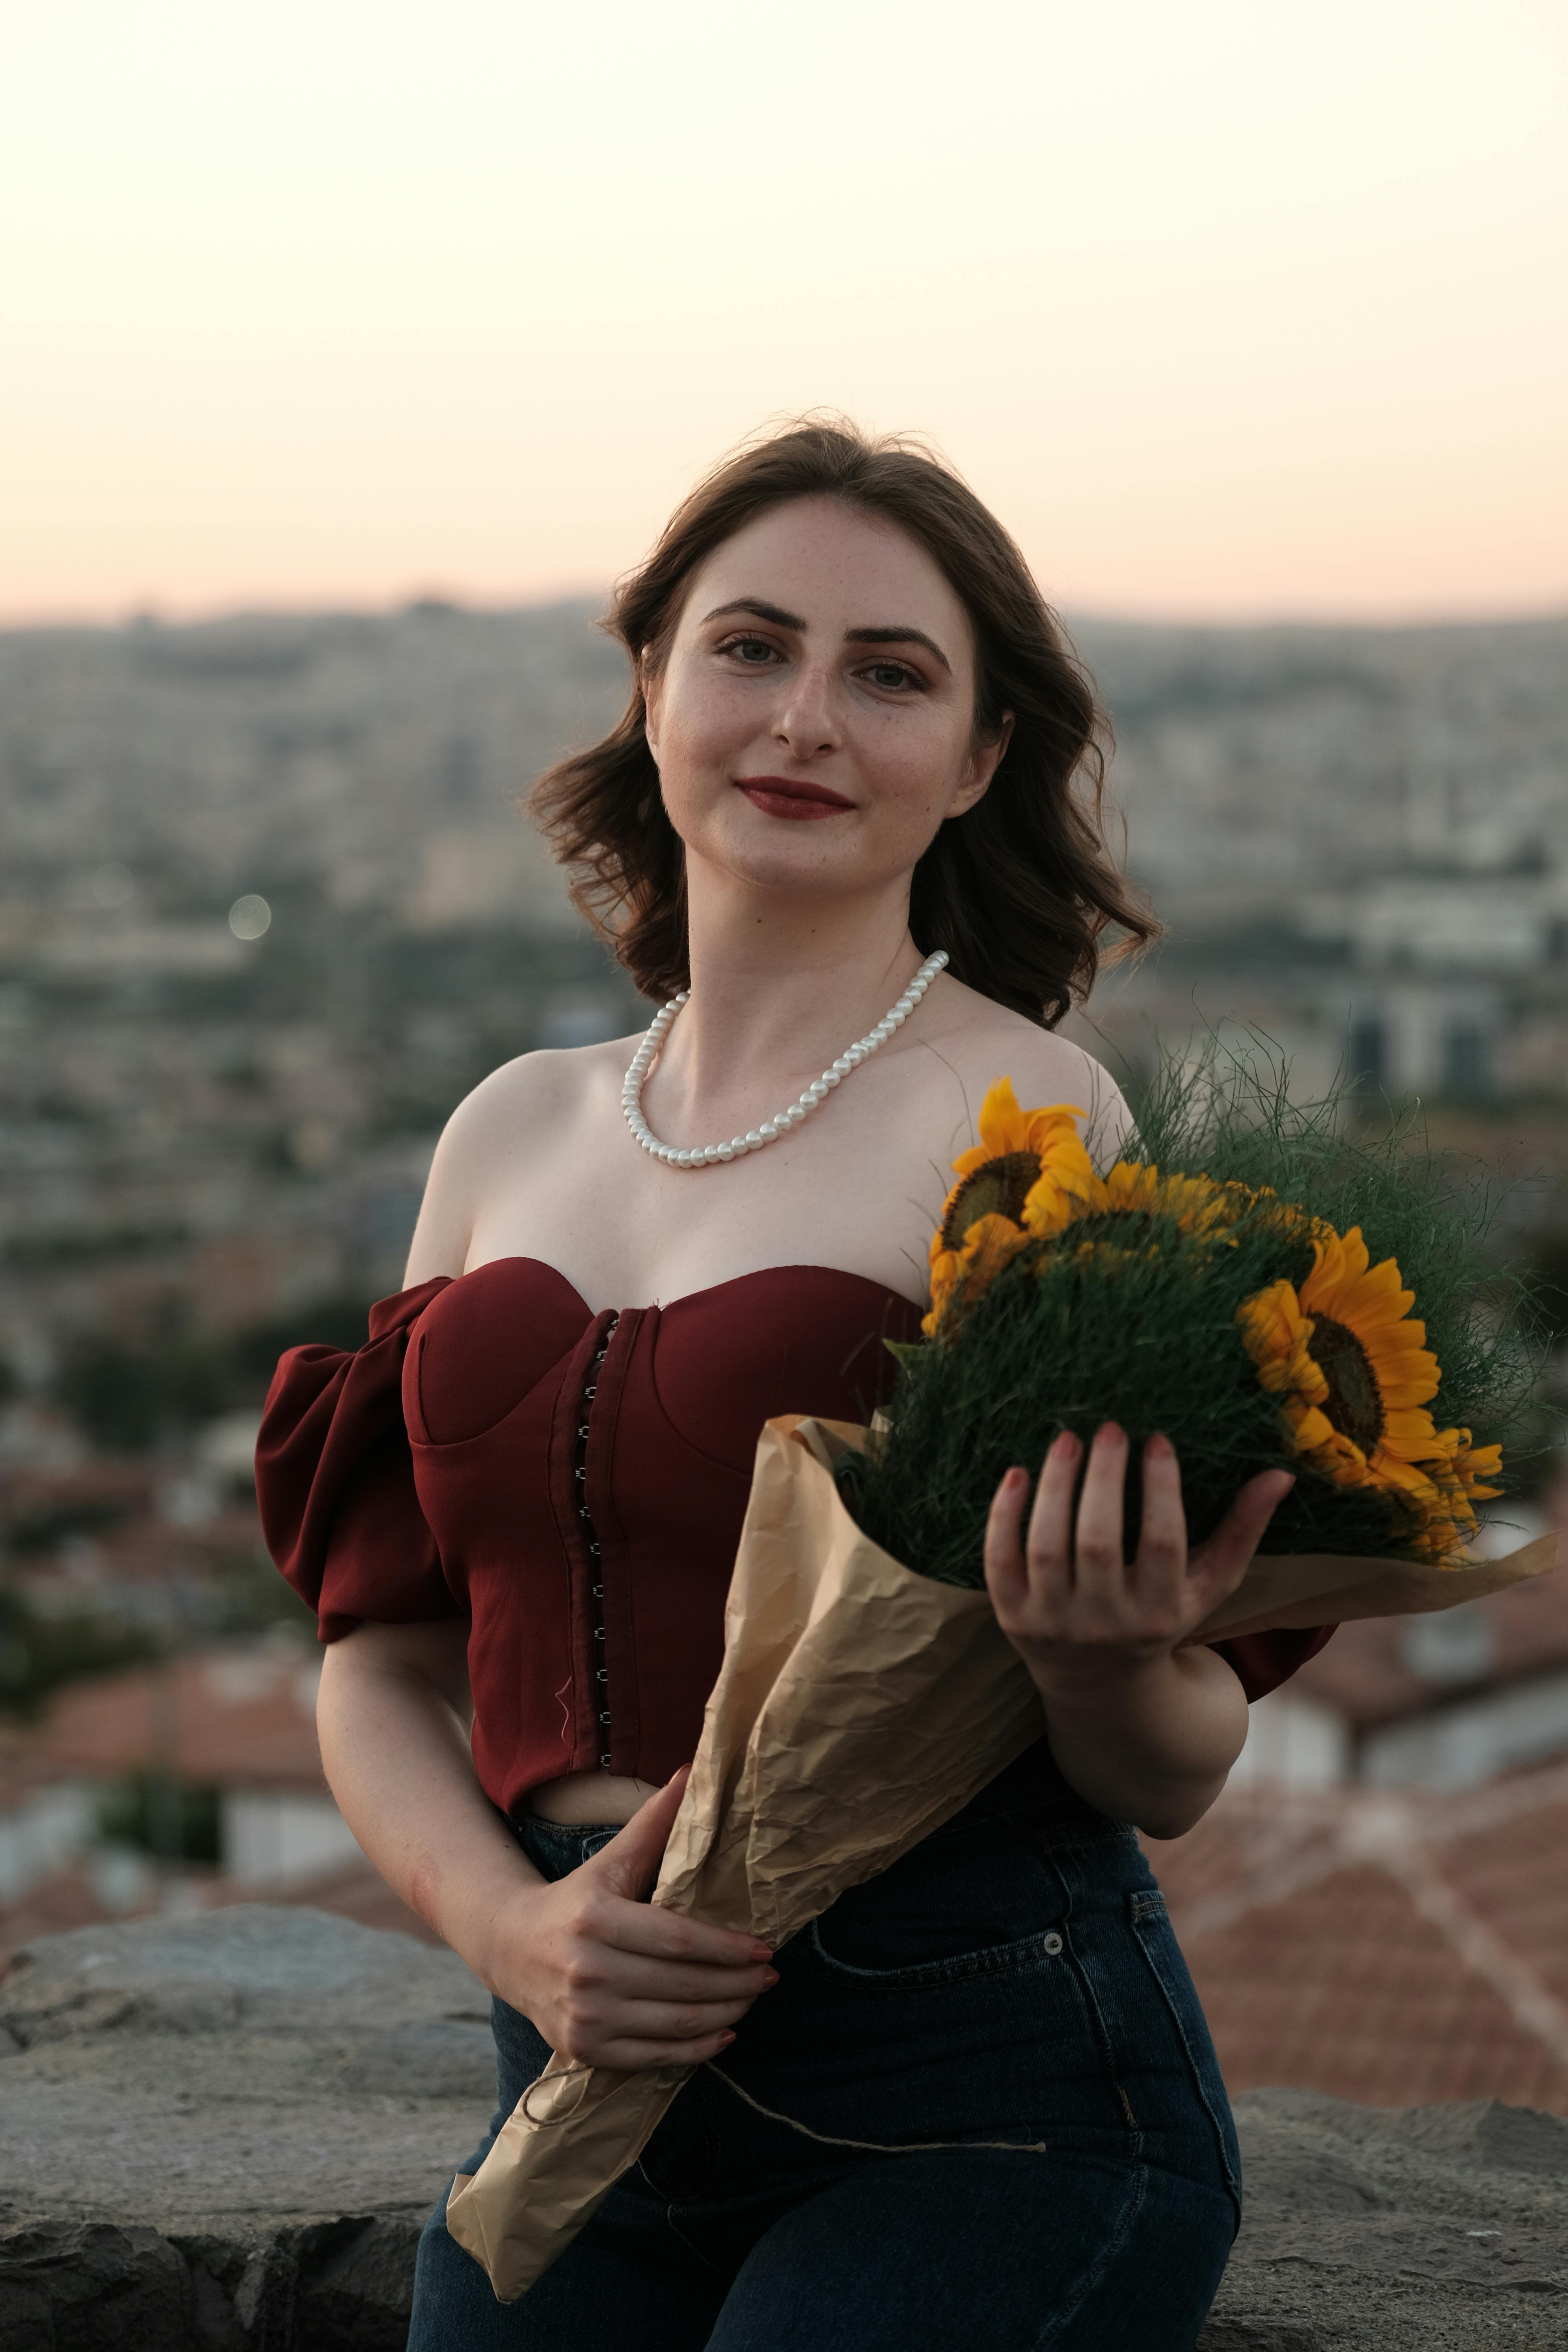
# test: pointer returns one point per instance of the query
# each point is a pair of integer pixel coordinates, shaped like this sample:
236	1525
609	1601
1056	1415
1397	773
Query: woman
854	738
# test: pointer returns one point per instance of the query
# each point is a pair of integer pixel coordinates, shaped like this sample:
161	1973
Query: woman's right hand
611	1982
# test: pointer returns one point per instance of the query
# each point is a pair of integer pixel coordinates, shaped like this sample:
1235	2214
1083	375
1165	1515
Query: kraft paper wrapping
1321	1589
859	1706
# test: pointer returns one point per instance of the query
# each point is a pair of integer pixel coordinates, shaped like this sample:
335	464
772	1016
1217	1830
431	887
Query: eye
893	677
751	652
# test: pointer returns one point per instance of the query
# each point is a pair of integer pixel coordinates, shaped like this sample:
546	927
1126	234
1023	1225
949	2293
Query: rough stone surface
222	2135
226	2132
1396	2230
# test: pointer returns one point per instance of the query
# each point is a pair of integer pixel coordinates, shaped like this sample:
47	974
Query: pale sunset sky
1231	308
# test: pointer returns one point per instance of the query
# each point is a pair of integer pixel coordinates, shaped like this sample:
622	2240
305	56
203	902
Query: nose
806	721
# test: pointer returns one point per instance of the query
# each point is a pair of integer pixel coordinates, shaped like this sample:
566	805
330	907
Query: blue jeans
1007	1979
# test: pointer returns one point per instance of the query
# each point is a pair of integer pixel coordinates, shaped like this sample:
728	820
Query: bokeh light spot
250	917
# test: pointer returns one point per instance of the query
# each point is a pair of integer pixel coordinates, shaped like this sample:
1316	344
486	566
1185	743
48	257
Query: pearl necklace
710	1155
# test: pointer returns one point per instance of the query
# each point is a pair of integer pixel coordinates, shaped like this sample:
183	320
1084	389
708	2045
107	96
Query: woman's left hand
1064	1593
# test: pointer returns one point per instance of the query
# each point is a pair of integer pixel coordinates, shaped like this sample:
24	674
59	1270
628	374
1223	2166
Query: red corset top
572	1485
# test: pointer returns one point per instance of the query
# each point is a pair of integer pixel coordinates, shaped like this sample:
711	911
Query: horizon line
440	601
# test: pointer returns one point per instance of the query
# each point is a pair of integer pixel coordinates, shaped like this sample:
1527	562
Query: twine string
824	2139
875	2147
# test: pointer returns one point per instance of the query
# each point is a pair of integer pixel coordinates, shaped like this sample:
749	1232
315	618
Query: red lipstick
788	796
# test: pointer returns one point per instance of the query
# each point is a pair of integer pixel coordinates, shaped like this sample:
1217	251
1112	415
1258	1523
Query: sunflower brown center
1354	1402
999	1189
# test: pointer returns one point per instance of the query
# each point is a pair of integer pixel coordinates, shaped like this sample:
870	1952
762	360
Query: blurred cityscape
266	912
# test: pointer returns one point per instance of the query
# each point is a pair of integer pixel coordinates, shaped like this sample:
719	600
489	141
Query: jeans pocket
1032	1951
983	1907
1156	1940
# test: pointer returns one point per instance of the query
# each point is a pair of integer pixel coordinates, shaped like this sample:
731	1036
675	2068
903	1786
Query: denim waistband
556	1847
1029	1797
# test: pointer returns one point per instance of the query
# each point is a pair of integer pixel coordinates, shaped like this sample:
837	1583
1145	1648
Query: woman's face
813	720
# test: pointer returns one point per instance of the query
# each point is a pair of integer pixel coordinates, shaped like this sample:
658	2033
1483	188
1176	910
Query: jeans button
1053	1943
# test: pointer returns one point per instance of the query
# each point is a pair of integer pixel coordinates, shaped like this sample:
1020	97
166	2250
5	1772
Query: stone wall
223	2134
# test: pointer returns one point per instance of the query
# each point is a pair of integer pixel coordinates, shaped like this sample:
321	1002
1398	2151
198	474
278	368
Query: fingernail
770	1981
725	2039
1110	1433
1065	1444
1159	1446
761	1952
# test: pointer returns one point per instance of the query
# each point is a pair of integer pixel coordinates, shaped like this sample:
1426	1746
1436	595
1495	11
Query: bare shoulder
523	1109
983	1041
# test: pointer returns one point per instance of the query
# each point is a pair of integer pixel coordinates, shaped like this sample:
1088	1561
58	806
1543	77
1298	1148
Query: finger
635	1976
1006	1577
648	1927
1220	1564
1099	1563
1050	1551
1161	1567
630	1862
636	2057
668	2021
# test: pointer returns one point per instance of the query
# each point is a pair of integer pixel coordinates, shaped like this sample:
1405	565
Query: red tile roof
1396	1950
242	1717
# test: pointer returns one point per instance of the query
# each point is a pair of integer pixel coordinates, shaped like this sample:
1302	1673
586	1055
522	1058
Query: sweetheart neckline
521	1257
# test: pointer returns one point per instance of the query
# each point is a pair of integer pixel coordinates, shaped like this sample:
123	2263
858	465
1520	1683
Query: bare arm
605	1978
1146	1730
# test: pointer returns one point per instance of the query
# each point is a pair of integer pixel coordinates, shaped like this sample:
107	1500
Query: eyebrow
783	620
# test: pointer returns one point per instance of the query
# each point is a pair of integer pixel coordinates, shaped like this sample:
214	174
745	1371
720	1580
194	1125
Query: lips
788	796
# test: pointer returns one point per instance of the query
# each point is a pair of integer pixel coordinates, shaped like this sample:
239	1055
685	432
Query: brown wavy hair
1019	888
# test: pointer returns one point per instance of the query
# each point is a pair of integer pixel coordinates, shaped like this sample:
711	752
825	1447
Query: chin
776	853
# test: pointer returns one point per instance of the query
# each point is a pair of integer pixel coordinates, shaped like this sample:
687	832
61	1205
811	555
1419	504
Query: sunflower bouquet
1237	1308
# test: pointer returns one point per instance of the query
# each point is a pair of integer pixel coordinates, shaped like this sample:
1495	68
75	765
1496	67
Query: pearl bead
767	1131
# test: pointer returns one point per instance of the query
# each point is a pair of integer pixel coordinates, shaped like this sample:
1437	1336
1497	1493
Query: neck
779	987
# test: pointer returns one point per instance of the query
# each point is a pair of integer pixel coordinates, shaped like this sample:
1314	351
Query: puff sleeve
334	1480
1261	1661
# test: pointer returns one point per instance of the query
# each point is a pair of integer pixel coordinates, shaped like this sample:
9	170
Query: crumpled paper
1325	1589
859	1706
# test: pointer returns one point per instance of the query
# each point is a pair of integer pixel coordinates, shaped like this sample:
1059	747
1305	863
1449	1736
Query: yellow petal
1005	1128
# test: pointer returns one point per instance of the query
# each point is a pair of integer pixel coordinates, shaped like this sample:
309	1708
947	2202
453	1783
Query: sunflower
1353	1375
1470	1464
1278	1339
1031	1180
1027	1166
1135	1189
1448	1519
